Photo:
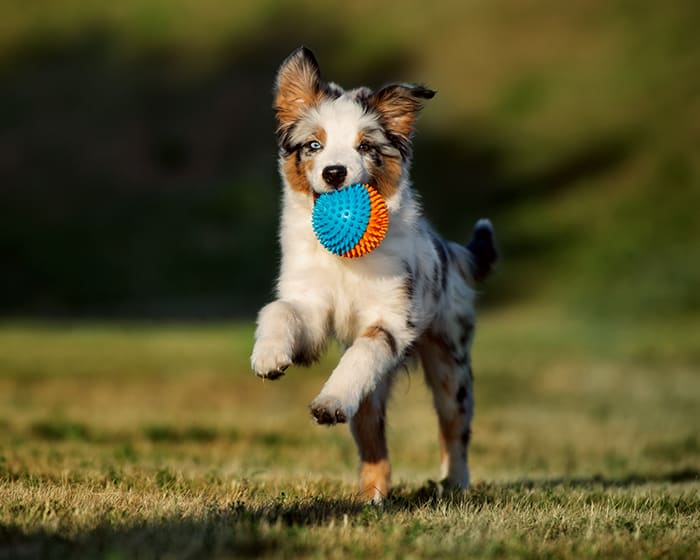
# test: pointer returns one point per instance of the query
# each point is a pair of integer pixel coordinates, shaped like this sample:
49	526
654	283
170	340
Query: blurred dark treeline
138	164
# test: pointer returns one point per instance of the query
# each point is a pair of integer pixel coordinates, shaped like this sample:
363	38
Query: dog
412	296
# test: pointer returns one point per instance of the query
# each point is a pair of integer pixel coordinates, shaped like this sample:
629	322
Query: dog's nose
334	175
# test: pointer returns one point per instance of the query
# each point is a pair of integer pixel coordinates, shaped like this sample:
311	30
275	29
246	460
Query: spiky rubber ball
352	221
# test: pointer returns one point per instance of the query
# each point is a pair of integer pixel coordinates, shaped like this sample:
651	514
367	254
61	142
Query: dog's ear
298	86
398	104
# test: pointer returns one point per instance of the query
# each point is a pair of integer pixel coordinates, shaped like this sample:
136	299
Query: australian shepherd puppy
413	295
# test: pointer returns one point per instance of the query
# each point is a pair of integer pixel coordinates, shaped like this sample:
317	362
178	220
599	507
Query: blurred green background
138	163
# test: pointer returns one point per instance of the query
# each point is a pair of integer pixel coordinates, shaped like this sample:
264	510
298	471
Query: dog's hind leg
369	430
448	373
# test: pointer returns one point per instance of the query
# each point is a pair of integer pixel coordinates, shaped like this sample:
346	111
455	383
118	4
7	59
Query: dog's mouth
316	195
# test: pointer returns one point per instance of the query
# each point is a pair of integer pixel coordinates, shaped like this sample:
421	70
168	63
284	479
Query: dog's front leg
287	332
365	364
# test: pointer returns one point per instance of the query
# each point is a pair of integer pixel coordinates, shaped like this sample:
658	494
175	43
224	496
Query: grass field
155	440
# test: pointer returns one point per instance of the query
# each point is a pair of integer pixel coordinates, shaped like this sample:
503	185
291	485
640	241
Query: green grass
137	440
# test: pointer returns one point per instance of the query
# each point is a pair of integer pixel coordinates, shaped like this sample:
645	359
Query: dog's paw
328	410
269	361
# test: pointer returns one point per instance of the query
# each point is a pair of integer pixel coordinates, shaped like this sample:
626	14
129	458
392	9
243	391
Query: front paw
328	410
269	361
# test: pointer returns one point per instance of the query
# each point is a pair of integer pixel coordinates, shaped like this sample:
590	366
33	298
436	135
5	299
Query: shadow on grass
237	529
599	481
278	524
433	492
55	430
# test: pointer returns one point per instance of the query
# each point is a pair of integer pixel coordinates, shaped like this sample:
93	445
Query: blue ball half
340	218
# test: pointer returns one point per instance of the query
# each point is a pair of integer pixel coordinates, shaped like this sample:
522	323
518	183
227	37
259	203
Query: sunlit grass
157	438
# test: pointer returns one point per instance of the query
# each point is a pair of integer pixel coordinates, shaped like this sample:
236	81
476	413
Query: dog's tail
482	250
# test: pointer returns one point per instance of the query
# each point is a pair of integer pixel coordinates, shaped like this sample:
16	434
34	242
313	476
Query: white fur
342	119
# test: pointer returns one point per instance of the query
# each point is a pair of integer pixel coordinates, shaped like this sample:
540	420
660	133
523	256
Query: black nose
334	175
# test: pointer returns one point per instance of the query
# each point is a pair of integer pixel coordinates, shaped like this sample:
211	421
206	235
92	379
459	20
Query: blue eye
314	145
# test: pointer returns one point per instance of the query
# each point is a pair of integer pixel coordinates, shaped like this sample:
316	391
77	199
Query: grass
132	440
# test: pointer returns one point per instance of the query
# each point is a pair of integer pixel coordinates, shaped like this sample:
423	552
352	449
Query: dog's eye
364	147
314	145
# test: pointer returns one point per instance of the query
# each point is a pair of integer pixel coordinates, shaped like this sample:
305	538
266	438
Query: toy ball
352	221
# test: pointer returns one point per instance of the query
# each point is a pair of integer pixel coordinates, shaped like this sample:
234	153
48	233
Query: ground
141	440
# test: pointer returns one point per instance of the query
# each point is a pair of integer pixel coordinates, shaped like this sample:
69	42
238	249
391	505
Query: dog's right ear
398	105
298	86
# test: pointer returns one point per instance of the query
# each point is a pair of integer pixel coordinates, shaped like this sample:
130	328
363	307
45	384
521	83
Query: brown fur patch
320	135
369	431
386	170
295	172
359	138
374	480
387	177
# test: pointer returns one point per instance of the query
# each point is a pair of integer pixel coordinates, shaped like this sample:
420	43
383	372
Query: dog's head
330	138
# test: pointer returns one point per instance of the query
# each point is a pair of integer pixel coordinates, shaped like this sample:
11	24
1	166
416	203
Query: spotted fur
413	295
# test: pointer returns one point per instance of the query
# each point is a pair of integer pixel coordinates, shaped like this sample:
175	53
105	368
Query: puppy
413	295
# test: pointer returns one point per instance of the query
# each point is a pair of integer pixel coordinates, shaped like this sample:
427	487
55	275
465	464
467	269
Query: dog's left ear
398	105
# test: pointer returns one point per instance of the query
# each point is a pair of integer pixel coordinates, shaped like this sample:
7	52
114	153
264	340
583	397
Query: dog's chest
352	293
362	293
